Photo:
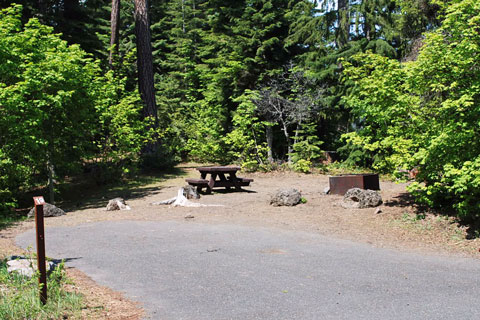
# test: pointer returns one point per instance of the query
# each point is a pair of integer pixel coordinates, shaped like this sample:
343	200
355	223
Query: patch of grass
412	218
457	235
19	297
412	221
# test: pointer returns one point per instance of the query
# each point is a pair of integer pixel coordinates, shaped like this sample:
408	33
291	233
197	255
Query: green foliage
426	113
57	106
210	53
209	56
244	140
43	82
381	102
19	298
306	149
302	165
121	132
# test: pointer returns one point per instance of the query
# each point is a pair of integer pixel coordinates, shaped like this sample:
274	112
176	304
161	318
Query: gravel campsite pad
397	227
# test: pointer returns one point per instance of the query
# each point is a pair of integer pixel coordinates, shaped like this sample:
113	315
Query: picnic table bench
219	177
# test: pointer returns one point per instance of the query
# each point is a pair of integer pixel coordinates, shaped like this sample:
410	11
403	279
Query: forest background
109	87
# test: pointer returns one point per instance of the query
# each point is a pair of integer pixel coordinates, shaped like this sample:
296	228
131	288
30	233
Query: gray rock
26	267
326	190
49	210
359	198
286	197
190	192
117	204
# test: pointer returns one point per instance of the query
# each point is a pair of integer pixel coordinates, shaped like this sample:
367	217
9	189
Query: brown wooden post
40	228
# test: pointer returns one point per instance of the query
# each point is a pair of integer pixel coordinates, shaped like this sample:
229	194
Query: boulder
190	192
360	198
49	210
117	204
26	266
286	197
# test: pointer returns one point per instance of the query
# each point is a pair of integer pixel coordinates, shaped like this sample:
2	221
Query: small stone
378	210
326	190
189	216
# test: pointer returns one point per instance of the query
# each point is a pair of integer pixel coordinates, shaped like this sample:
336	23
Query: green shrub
19	297
306	149
426	113
302	165
58	106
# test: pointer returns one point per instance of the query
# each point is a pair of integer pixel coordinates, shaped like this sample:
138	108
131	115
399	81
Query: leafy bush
244	141
58	107
302	165
306	149
46	110
426	113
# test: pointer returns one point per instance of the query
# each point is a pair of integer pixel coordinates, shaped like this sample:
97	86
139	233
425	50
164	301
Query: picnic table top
215	169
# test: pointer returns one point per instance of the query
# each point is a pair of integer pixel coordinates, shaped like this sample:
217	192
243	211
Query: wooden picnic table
219	177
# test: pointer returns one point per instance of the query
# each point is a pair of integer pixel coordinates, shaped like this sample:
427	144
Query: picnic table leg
208	189
234	178
222	178
211	183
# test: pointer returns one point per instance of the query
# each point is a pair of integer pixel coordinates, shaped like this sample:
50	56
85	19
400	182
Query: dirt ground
398	226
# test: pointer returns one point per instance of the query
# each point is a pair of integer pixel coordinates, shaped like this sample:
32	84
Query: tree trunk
115	31
289	145
145	60
343	32
367	23
269	134
183	17
295	138
367	29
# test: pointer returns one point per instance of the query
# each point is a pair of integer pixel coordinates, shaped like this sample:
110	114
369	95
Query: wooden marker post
42	280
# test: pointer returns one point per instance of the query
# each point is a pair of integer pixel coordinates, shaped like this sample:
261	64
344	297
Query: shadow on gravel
405	200
84	192
224	191
402	200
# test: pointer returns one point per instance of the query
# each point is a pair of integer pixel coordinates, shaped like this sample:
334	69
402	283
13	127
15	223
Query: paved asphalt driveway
200	271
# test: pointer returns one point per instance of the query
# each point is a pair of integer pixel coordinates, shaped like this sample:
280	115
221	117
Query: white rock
26	267
117	204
